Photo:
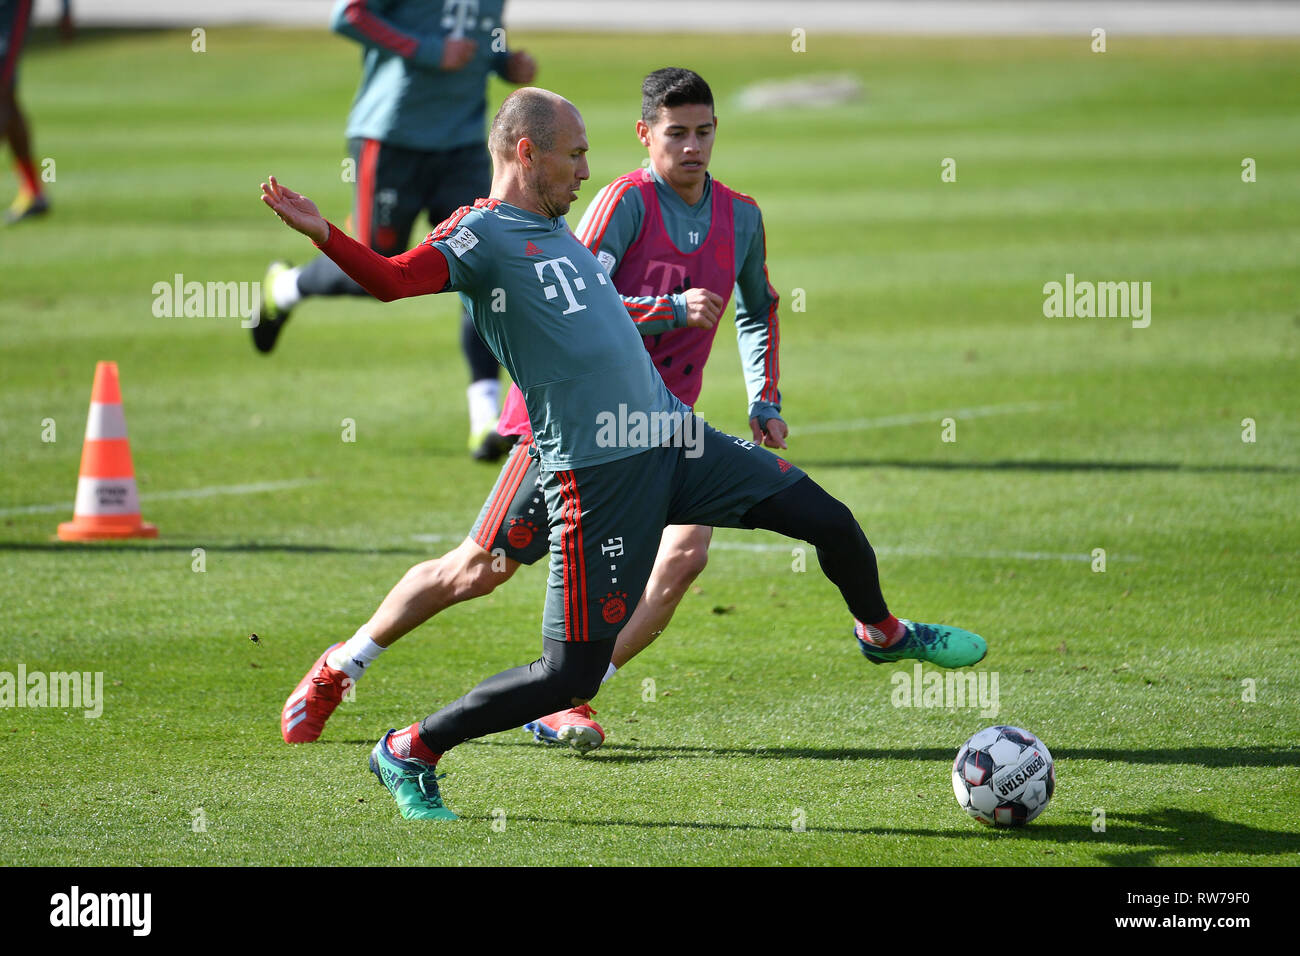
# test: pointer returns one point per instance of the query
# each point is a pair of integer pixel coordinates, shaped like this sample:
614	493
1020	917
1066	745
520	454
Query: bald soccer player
675	243
609	490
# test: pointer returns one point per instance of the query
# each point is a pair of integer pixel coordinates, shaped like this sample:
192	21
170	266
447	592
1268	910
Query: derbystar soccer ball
1003	776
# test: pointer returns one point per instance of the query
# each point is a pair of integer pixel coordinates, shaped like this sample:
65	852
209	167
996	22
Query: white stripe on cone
105	421
106	496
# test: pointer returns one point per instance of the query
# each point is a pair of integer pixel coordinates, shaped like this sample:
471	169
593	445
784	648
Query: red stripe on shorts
566	558
575	577
583	634
516	468
366	189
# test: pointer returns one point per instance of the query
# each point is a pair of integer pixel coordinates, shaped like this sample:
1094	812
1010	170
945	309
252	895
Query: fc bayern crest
520	535
613	607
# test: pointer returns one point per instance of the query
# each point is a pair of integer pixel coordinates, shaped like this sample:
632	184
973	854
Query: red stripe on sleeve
444	228
600	220
662	308
772	363
773	370
376	30
419	271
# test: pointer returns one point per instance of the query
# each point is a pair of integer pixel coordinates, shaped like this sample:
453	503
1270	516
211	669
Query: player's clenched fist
773	434
456	52
703	308
295	210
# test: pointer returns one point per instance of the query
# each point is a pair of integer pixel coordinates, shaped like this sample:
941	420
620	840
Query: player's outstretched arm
296	211
419	271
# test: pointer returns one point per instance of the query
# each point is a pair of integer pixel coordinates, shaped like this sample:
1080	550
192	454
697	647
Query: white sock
484	403
284	291
355	655
609	673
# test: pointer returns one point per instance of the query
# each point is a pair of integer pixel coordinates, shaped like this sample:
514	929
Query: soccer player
416	136
657	231
609	492
30	201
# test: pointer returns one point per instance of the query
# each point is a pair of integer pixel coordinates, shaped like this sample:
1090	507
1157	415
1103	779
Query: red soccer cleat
313	700
573	727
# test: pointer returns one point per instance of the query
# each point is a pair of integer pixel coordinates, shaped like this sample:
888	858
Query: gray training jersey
549	312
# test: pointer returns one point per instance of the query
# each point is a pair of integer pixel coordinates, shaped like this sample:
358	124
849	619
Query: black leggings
806	512
569	670
565	671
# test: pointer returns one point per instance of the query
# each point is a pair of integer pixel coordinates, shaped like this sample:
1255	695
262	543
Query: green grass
922	298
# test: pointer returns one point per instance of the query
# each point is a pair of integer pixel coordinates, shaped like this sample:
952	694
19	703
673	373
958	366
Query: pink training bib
654	266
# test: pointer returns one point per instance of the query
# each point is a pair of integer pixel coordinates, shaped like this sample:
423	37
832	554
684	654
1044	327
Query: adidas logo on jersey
531	249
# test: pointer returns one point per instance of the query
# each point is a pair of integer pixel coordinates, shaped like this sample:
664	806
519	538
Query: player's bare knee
677	574
479	574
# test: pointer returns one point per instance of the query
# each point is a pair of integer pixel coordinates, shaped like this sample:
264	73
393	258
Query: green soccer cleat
936	643
269	318
26	206
413	783
487	444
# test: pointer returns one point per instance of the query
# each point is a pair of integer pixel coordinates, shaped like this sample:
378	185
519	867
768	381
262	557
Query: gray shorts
606	522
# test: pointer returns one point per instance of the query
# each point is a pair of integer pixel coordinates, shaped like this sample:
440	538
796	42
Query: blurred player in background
417	136
15	18
67	28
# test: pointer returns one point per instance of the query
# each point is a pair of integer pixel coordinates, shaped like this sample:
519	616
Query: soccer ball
1003	776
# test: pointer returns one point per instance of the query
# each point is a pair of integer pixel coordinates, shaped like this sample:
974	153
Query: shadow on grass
145	546
1195	756
1048	466
1131	839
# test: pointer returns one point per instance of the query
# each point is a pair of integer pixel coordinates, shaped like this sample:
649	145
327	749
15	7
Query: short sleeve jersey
551	315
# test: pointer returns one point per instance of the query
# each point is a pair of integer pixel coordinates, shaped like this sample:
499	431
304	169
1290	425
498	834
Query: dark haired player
559	341
15	16
415	133
676	243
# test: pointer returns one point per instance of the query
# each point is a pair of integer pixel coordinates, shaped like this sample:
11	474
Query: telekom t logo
458	15
672	272
551	291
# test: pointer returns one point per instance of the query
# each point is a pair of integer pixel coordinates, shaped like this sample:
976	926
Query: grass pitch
753	732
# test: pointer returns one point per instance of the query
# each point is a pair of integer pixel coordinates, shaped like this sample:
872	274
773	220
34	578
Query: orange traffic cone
108	505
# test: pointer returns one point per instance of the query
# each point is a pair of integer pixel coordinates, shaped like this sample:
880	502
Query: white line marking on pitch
250	489
434	538
920	418
934	552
